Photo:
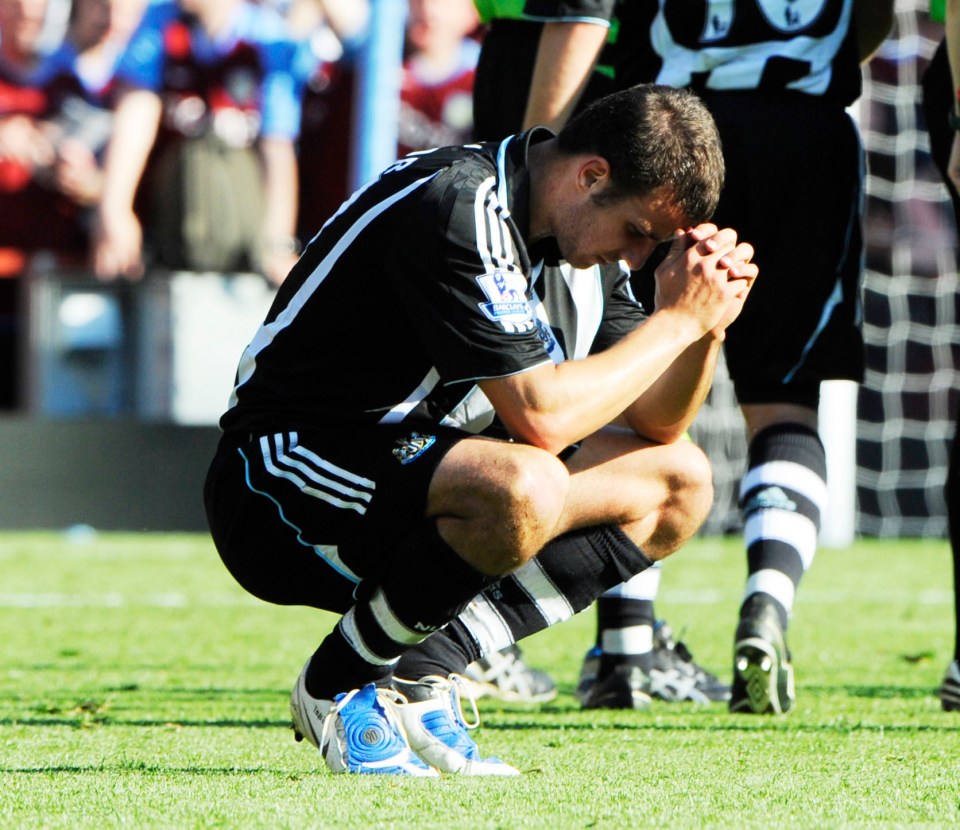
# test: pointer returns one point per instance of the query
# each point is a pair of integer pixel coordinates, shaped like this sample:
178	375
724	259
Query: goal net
906	405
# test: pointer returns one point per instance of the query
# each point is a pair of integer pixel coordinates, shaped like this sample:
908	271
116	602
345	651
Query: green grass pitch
140	687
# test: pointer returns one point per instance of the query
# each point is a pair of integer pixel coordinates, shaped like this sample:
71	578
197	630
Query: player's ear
594	172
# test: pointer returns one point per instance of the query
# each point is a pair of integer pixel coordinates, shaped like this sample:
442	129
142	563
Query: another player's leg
782	497
505	675
938	101
949	691
636	658
616	670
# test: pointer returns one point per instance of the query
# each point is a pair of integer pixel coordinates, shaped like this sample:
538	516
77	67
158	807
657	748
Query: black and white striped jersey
806	46
421	284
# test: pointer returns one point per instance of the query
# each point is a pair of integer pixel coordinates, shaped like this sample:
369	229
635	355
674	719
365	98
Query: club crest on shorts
507	303
412	447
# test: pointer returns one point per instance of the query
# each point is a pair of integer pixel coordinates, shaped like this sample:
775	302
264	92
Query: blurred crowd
197	134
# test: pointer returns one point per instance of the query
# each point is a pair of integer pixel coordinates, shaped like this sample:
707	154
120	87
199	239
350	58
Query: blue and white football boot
357	732
431	714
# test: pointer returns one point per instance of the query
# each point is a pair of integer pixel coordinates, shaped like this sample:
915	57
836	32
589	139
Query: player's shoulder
443	189
452	172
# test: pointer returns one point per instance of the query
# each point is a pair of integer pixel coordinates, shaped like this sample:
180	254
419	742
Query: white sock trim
775	583
635	639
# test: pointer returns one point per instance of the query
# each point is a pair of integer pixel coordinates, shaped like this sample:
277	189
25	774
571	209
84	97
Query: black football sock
424	585
625	632
563	579
953	523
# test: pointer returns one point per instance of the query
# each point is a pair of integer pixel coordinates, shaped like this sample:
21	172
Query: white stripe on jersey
353	499
587	291
402	409
495	243
494	240
473	414
503	193
484	243
266	333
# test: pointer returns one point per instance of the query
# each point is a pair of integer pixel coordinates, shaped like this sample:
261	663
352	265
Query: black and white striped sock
562	580
782	497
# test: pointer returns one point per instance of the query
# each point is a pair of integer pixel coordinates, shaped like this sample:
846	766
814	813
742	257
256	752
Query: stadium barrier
123	386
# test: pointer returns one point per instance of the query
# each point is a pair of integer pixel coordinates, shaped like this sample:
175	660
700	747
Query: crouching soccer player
456	427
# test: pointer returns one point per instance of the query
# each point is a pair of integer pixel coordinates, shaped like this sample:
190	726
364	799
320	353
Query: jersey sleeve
465	285
570	11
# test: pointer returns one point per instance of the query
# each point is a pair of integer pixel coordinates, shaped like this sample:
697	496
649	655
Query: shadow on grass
156	769
876	692
81	722
733	723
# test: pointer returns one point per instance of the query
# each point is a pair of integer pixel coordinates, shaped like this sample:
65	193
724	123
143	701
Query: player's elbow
546	432
655	431
668	434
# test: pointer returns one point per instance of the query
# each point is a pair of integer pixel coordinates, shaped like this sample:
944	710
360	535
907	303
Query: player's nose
638	253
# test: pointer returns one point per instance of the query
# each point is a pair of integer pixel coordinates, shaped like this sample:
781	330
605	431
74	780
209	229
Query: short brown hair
654	137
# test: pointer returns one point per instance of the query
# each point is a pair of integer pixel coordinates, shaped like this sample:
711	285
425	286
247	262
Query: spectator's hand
22	141
77	174
117	245
953	165
277	264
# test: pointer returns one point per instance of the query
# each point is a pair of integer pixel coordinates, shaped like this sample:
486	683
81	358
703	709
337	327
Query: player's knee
535	485
691	482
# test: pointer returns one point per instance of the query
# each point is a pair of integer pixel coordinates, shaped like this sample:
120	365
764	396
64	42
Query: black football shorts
300	518
793	190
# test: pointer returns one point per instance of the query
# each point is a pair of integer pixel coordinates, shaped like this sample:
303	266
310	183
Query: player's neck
541	163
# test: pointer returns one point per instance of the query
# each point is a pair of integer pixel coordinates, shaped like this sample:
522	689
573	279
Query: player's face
596	231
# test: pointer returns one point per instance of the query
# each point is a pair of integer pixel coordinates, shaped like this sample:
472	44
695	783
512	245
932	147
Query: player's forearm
565	59
952	32
135	130
280	190
874	20
665	412
347	18
555	406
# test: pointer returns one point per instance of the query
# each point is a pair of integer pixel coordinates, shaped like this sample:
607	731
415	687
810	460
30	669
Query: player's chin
584	261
